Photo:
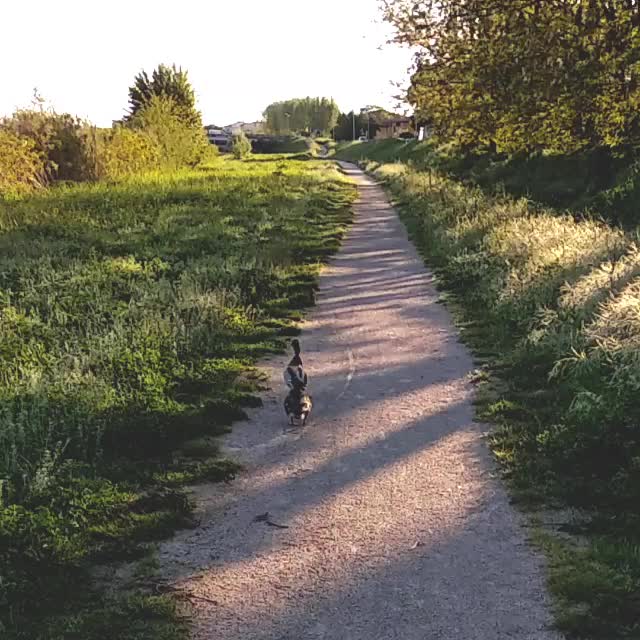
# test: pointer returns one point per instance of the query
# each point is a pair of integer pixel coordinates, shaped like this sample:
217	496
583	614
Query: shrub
66	144
39	146
124	152
180	144
240	145
21	166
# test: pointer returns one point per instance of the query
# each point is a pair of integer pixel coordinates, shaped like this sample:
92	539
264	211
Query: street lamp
288	117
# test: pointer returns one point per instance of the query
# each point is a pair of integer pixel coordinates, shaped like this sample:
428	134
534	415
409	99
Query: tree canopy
165	82
345	125
301	115
367	122
525	74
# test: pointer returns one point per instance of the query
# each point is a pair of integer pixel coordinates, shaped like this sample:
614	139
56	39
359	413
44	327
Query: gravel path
392	521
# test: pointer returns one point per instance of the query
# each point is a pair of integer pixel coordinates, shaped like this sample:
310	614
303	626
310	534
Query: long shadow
399	387
289	497
366	389
386	282
478	583
359	301
471	596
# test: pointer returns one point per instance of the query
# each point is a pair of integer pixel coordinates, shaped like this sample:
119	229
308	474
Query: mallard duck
298	403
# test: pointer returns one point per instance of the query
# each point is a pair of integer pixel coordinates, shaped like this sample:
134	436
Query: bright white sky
241	55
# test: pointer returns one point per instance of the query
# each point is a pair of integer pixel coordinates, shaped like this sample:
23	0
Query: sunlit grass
131	315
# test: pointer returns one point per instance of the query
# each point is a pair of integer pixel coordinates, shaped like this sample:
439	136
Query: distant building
253	128
219	136
234	129
394	126
249	128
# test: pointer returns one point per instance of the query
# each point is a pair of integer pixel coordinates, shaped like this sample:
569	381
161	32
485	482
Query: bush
66	144
21	166
125	152
240	145
39	146
180	144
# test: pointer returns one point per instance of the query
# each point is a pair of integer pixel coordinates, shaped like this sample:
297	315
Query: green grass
383	151
131	317
550	307
593	182
287	145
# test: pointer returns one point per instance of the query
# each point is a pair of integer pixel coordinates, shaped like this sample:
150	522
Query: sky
241	55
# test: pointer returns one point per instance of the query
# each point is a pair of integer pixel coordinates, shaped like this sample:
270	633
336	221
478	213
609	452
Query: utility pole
354	124
369	108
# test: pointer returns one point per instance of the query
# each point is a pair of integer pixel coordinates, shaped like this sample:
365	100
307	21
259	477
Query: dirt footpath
385	517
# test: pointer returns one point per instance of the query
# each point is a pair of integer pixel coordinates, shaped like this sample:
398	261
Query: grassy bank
550	306
594	183
131	314
292	144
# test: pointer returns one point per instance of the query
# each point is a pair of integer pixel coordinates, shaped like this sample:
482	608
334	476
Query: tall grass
594	183
552	305
130	316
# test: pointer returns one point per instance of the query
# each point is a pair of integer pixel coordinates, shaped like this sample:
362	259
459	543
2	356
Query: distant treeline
302	115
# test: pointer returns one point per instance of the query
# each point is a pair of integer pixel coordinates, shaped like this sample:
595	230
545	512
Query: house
253	128
249	128
234	129
219	137
222	136
394	126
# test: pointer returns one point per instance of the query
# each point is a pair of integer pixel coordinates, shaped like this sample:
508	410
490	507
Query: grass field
131	315
550	306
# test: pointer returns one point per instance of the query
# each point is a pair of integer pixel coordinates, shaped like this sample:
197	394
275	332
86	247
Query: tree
167	82
345	126
302	115
240	145
367	123
524	74
178	142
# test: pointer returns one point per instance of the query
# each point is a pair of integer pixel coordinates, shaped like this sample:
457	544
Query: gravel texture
386	518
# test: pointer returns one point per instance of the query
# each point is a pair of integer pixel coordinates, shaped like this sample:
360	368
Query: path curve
396	526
